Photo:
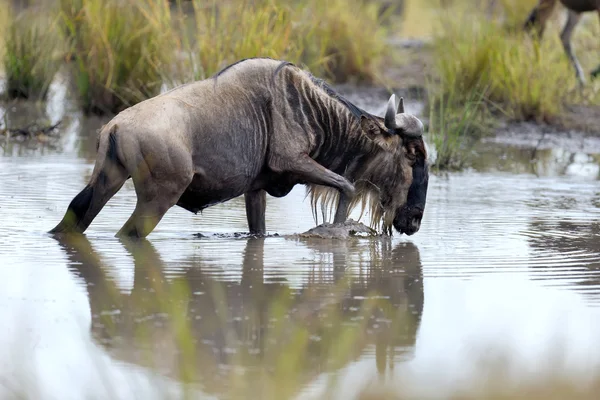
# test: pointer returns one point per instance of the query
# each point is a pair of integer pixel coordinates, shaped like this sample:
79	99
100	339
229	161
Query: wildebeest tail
88	203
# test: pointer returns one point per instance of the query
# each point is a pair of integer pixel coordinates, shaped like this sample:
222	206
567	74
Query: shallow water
506	267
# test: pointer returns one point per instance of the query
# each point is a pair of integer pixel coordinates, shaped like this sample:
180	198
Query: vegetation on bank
527	79
29	53
119	53
118	50
485	54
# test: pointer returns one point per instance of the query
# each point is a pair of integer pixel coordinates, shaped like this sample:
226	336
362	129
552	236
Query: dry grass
29	53
528	80
225	32
119	50
340	46
325	37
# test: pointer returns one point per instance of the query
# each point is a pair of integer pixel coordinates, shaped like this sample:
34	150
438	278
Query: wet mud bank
576	131
543	136
515	147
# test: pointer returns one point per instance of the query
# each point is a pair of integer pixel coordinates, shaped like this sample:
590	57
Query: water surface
505	268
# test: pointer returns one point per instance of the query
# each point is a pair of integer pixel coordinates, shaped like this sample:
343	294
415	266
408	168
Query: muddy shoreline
578	130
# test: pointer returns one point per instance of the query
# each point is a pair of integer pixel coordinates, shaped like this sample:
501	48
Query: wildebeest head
400	170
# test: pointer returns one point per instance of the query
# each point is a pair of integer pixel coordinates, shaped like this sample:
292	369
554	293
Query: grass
325	37
527	79
261	28
122	52
29	55
119	50
338	45
486	67
454	125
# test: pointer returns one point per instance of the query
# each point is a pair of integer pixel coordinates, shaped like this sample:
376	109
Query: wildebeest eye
411	154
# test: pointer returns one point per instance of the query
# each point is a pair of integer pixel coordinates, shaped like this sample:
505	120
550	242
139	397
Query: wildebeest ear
372	128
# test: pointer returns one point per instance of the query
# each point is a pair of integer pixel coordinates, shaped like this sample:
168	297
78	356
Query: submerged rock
343	230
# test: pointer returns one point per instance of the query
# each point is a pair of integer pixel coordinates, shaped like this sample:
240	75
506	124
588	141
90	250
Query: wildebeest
258	126
542	12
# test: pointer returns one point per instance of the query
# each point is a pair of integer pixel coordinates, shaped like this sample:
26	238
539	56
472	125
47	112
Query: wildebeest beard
381	198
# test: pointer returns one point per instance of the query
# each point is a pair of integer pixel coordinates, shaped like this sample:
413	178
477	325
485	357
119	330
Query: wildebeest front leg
256	205
313	172
341	214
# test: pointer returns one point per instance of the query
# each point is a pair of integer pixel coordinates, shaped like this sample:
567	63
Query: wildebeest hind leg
256	204
89	202
147	214
565	37
156	196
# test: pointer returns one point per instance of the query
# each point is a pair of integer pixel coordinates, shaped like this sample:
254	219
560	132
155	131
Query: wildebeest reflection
235	322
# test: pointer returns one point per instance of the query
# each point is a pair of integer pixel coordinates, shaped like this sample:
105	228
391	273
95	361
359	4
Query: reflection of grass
29	59
253	336
272	350
256	338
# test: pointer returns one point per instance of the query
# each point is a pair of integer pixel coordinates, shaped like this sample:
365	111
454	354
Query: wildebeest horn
395	119
390	114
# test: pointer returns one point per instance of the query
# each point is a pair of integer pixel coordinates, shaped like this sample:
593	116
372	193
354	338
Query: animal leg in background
596	72
565	37
256	205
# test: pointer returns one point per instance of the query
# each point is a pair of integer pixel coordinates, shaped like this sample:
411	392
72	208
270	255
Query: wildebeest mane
356	111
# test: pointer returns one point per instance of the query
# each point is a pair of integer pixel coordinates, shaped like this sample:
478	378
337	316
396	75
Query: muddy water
506	268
